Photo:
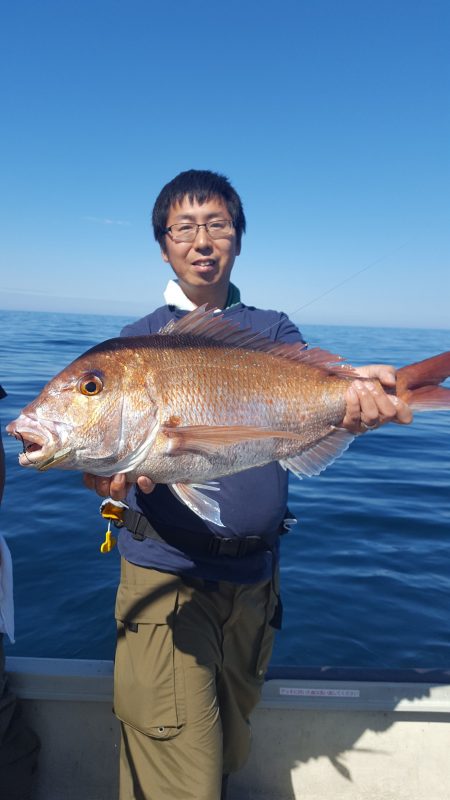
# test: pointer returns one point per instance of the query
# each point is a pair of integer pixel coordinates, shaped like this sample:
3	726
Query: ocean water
365	574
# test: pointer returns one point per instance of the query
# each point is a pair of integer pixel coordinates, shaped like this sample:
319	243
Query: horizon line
303	325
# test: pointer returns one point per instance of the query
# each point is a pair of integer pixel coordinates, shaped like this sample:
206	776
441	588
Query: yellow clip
109	542
110	509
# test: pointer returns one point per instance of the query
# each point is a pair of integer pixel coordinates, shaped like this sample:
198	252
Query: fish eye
90	385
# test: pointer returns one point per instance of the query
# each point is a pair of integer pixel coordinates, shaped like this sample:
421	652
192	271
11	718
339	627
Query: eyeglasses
187	231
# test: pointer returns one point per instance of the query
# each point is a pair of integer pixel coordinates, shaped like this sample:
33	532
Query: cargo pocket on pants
148	677
267	636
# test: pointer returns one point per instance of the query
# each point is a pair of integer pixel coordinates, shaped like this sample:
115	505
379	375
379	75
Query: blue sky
332	120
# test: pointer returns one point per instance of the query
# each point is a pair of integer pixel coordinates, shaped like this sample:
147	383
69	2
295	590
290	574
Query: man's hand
116	487
368	406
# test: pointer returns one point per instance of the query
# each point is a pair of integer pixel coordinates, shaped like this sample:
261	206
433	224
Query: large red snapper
200	400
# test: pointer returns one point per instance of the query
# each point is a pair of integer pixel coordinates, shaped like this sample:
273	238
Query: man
19	745
195	629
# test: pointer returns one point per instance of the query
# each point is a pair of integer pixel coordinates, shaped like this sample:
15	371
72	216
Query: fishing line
24	450
254	336
347	280
341	283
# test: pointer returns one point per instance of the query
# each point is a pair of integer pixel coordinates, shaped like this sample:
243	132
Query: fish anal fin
207	438
319	456
205	507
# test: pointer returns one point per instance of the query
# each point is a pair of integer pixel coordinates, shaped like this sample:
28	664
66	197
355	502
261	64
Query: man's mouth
204	264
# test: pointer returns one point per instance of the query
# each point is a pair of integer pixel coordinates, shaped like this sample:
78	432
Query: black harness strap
197	544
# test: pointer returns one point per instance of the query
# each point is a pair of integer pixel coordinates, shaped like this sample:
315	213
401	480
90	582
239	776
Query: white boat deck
314	738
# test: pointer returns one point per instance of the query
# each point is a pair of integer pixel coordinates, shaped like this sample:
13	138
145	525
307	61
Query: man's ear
164	255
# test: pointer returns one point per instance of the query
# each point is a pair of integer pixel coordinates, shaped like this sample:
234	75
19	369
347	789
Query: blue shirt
253	502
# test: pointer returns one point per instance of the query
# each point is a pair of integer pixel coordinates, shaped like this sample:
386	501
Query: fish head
96	415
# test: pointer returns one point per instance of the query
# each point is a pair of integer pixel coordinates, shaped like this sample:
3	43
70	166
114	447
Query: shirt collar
174	296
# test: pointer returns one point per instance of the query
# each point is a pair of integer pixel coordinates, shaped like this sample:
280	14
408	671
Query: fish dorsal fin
318	457
211	326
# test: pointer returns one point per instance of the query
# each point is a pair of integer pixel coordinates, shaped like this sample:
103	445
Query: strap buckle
235	546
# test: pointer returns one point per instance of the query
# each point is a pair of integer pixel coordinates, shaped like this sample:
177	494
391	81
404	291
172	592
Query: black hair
200	185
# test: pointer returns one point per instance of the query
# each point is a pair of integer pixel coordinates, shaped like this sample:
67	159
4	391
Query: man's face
205	262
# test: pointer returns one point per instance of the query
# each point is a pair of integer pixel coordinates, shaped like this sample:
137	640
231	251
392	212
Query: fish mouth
39	448
33	446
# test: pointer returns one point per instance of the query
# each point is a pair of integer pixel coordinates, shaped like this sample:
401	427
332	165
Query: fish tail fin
419	384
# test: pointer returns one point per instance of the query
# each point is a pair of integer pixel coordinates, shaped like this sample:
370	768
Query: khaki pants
189	669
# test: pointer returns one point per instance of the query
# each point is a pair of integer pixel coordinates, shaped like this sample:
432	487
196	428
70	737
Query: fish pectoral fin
205	507
318	457
207	438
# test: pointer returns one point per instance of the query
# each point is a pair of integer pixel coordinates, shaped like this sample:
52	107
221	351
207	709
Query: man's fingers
118	487
115	487
385	404
389	408
368	406
361	411
375	406
368	398
404	414
382	372
145	485
97	484
352	419
89	481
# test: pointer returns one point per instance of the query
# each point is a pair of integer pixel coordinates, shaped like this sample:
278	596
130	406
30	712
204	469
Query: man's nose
202	238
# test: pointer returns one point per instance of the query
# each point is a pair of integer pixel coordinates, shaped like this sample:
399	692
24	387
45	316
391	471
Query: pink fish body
198	401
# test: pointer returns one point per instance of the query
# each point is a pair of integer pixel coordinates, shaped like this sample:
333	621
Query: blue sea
365	574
